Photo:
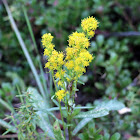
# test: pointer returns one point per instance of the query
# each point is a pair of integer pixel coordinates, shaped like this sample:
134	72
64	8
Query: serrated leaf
57	131
115	136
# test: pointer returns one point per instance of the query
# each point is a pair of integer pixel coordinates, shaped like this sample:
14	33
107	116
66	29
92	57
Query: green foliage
38	103
57	131
115	136
27	117
8	126
112	74
91	132
102	109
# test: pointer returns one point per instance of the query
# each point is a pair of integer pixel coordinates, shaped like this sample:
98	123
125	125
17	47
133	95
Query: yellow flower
68	79
71	52
91	33
69	64
60	94
49	49
60	83
46	52
78	40
56	60
89	25
62	72
57	75
47	65
86	56
85	63
60	59
46	39
77	69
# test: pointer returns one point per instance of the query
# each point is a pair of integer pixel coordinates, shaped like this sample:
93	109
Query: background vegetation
114	73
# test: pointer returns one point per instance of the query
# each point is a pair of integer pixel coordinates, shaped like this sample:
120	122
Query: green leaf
96	113
102	109
16	79
80	125
57	131
99	85
106	136
83	78
100	40
39	103
6	105
7	125
111	105
80	82
115	136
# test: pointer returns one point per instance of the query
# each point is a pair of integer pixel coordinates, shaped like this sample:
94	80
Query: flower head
55	60
46	39
89	25
78	40
60	94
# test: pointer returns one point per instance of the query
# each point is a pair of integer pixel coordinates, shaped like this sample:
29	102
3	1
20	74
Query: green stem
59	105
62	119
69	122
52	74
69	114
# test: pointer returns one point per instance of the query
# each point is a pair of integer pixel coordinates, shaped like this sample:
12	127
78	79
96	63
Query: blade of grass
30	29
7	125
36	49
6	105
21	99
22	44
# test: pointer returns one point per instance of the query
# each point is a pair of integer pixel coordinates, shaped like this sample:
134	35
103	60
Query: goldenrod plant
67	67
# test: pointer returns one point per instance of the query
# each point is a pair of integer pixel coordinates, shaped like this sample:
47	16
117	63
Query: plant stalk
69	122
62	119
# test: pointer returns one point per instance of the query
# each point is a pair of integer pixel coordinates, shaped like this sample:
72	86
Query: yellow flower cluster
89	25
78	40
55	61
60	94
60	74
47	44
78	62
69	66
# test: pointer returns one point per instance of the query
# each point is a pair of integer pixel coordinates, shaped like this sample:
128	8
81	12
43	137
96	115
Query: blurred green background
114	73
